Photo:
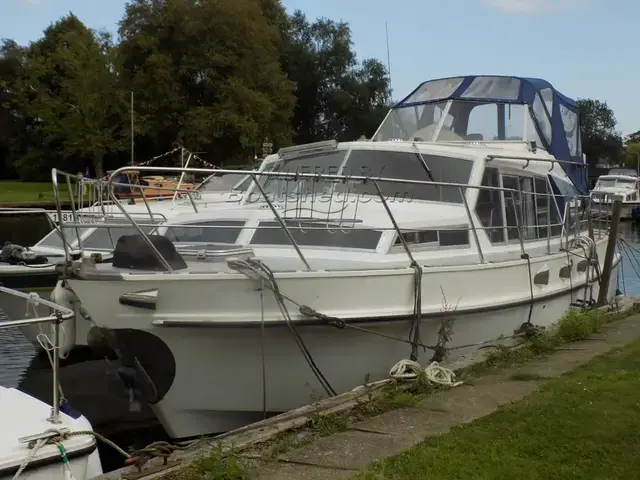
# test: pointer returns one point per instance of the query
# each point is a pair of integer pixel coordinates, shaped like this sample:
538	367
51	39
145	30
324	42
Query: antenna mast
132	133
386	28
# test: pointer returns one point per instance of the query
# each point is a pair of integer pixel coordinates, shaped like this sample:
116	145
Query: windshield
622	171
615	182
277	187
459	121
225	182
408	166
54	240
94	238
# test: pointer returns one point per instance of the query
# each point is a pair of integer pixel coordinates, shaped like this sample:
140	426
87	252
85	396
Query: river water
93	389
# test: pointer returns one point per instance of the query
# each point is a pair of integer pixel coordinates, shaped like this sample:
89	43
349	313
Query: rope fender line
138	458
247	268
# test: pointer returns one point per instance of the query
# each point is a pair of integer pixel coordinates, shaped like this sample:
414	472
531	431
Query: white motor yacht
462	221
621	183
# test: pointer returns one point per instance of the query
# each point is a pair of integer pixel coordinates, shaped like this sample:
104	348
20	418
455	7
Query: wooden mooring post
611	248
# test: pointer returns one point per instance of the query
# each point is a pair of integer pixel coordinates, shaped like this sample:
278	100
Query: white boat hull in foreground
22	416
204	357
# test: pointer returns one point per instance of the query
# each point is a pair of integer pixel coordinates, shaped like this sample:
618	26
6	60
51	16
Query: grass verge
584	425
25	192
574	326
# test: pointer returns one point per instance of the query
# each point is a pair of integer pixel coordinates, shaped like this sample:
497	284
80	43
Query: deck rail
288	205
58	315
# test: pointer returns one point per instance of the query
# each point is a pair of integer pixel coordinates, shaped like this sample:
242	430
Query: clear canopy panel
491	109
459	121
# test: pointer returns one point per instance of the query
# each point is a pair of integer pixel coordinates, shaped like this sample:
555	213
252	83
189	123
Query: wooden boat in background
154	186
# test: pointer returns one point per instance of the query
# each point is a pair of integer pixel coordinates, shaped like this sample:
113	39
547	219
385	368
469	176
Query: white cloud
526	6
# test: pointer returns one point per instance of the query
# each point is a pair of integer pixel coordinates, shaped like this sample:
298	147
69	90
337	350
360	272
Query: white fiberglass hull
202	344
21	416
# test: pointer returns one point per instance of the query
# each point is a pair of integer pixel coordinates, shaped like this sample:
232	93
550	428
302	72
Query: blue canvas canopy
555	116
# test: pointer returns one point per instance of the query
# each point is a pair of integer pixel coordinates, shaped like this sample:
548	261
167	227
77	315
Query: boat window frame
205	224
512	173
336	227
398	247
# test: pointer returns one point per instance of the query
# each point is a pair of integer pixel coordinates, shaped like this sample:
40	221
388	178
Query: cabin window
489	206
206	232
408	165
542	207
528	207
511	200
412	238
317	234
443	238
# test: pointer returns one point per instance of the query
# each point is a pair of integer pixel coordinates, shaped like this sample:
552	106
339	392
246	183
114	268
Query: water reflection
629	273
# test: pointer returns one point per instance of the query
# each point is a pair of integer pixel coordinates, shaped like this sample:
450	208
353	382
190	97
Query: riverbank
582	426
336	438
14	193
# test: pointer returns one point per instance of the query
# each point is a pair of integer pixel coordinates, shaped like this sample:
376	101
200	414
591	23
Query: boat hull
21	416
202	345
628	210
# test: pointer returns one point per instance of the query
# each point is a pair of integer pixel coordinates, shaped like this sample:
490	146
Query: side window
542	207
511	201
547	210
206	232
527	214
434	238
489	206
530	208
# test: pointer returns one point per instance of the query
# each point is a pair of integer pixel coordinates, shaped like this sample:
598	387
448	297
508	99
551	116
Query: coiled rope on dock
434	373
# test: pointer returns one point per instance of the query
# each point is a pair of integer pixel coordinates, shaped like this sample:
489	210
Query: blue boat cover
556	116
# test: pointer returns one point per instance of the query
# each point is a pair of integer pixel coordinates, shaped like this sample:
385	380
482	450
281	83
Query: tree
600	141
11	121
632	154
336	97
68	89
207	74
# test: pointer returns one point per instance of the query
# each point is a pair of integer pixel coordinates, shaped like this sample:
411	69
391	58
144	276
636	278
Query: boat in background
622	183
40	441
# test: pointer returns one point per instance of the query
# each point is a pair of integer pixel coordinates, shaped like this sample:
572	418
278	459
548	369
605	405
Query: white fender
65	298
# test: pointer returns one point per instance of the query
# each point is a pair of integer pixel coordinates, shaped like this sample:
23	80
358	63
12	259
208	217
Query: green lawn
585	426
25	192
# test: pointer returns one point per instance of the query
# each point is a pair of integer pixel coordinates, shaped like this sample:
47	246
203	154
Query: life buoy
65	298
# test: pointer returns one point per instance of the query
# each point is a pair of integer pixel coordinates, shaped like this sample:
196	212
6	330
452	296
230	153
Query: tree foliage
206	74
218	77
337	98
600	140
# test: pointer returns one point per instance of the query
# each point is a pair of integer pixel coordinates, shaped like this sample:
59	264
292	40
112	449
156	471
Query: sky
585	48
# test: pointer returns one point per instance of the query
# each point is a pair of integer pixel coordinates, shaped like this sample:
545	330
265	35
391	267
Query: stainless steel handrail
60	314
335	178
